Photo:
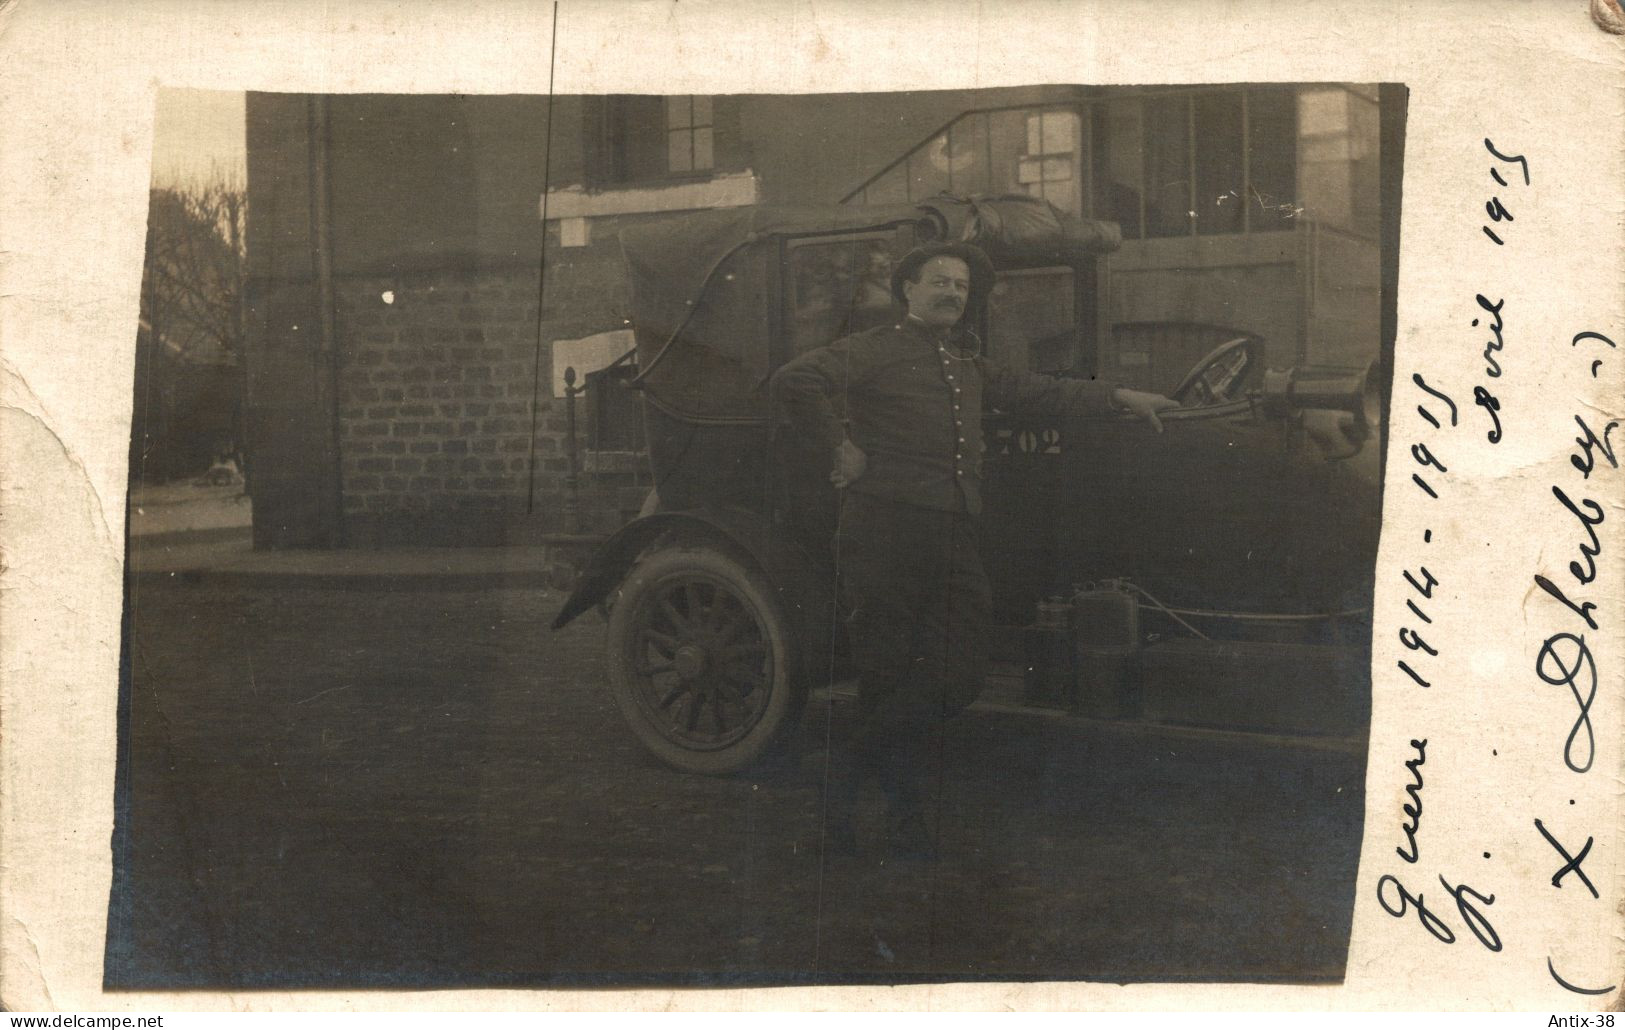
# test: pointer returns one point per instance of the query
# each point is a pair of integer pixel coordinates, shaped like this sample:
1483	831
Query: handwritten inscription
1589	513
1566	657
1494	207
1423	581
1398	900
1413	807
1571	862
1573	594
1492	366
1431	453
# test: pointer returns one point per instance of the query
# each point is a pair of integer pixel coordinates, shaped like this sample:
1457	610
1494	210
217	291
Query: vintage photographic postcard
695	505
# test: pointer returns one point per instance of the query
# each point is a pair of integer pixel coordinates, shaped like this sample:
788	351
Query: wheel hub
690	661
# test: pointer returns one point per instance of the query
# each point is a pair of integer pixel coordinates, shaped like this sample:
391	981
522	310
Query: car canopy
701	308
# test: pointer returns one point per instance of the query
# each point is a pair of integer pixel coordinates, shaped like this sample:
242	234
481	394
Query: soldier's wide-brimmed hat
981	269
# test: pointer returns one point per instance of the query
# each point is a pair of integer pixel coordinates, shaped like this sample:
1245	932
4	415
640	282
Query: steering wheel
1222	375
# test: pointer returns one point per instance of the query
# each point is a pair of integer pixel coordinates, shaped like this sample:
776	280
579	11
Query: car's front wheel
699	659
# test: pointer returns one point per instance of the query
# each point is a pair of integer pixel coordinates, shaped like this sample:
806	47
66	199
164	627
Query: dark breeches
918	608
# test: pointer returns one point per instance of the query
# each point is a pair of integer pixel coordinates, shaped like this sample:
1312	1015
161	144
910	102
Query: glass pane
871	300
1035	134
702	149
1060	132
1272	159
1007	140
837	289
639	138
1057	169
702	111
1117	156
677	112
1219	189
816	274
1323	148
1030	170
1325	158
1167	167
1031	322
925	177
967	156
1063	194
1365	146
932	156
1323	112
680	151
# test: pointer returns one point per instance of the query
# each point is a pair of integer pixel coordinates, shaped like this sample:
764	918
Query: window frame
901	164
610	165
790	288
692	128
1076	351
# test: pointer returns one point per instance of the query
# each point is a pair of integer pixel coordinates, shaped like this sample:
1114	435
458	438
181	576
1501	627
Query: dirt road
420	788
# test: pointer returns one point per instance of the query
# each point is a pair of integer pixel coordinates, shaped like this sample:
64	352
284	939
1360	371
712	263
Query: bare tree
192	284
189	373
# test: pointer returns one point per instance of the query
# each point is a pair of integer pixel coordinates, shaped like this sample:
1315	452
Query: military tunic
914	407
912	578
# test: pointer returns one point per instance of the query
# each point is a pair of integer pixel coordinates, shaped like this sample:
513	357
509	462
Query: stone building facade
423	268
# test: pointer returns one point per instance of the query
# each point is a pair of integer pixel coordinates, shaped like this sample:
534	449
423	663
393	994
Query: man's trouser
918	607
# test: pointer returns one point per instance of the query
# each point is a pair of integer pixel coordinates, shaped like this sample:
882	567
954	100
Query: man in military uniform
908	460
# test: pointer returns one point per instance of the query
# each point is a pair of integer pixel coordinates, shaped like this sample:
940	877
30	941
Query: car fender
804	587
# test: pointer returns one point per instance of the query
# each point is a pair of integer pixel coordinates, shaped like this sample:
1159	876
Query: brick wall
436	396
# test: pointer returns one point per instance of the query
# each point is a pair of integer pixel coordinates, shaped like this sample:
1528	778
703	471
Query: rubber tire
751	588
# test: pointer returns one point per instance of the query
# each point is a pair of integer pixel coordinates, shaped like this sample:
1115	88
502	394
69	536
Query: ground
371	787
189	506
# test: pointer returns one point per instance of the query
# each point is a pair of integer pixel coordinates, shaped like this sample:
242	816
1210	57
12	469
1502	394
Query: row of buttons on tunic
959	423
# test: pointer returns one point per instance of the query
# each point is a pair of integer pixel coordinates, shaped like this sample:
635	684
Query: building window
1197	163
1164	161
1218	161
1272	159
1167	166
638	138
1018	150
1338	148
688	134
1047	168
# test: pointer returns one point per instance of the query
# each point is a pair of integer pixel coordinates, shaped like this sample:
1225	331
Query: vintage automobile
1218	574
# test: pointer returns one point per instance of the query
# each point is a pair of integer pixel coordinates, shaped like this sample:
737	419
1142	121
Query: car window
835	288
1032	319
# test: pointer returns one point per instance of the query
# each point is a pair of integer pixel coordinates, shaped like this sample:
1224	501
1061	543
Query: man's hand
849	465
1143	405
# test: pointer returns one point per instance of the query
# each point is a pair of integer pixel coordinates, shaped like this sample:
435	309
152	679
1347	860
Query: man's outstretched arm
1144	405
1030	393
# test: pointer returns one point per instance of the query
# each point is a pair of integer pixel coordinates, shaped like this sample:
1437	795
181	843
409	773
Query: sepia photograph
754	539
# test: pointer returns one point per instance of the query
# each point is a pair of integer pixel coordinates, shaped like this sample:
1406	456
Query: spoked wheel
699	660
